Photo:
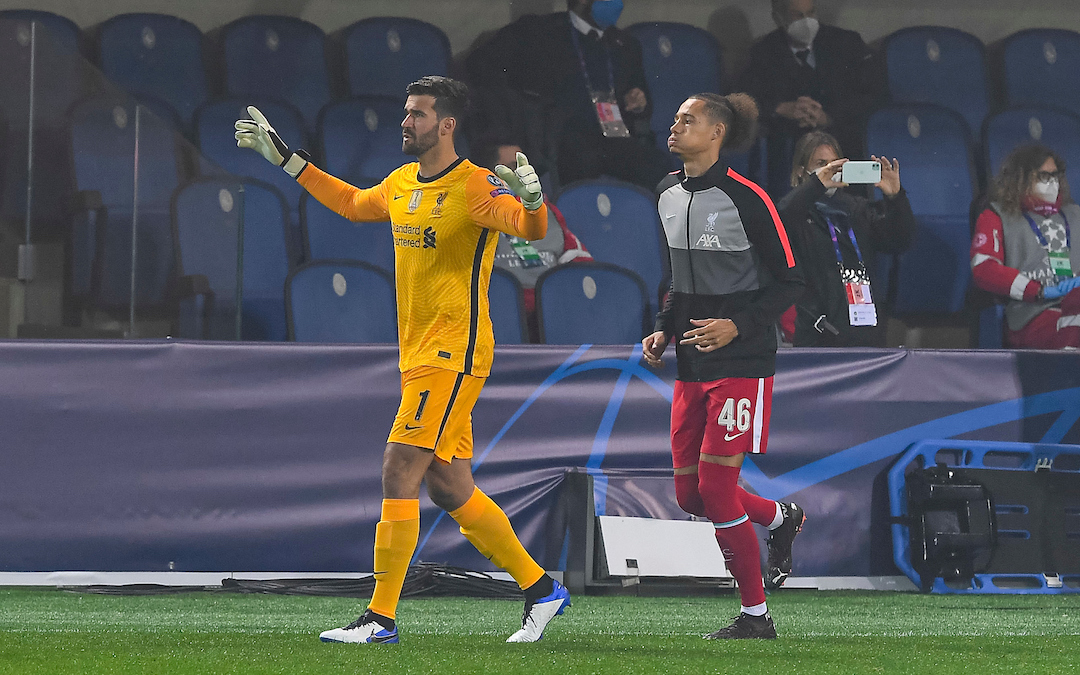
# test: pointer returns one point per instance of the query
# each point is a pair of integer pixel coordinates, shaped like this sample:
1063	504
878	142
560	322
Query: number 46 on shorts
735	415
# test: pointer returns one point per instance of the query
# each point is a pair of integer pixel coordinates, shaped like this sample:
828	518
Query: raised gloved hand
1061	289
523	182
258	135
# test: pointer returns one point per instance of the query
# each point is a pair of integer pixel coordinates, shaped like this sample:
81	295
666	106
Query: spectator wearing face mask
809	76
1022	250
837	236
588	79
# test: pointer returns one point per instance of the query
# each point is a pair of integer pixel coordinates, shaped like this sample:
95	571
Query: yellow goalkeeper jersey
443	252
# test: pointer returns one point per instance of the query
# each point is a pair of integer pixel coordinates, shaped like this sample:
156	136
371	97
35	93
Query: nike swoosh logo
409	428
727	437
397	197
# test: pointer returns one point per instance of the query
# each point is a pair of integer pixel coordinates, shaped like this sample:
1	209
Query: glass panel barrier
125	227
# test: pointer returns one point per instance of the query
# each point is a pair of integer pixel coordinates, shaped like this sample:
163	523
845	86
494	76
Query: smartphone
856	173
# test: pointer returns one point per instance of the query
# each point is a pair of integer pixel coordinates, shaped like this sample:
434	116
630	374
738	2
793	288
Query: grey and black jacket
730	259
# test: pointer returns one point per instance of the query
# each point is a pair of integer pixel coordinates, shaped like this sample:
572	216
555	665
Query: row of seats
616	222
349	301
203	221
168	59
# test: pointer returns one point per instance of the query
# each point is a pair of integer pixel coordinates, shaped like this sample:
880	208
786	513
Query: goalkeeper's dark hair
451	96
738	113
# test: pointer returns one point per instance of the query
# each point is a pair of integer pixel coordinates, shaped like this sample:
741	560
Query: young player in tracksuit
733	275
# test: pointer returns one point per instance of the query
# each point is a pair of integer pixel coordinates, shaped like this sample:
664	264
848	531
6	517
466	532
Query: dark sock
541	589
384	621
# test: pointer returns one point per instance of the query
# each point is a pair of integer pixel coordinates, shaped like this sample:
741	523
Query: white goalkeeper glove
523	181
258	135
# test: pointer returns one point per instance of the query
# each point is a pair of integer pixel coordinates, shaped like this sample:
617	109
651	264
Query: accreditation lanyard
604	103
1060	261
861	308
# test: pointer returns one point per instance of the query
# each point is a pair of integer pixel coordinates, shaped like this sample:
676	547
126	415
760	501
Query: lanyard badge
526	252
860	301
1060	263
604	103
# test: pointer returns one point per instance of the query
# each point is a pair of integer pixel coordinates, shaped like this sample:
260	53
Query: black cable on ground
422	580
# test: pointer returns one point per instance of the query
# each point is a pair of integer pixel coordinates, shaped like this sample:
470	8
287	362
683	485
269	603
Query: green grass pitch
52	632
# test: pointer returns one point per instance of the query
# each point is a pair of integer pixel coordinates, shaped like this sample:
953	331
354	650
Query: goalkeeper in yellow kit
445	213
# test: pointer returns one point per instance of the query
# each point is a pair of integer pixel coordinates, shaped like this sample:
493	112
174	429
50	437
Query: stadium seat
383	55
360	139
680	60
214	127
103	142
617	223
205	217
933	146
58	83
327	235
155	55
507	305
341	301
944	66
591	303
291	59
1058	129
1042	67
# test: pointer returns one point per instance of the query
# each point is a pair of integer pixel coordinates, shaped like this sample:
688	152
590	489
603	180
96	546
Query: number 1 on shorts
423	402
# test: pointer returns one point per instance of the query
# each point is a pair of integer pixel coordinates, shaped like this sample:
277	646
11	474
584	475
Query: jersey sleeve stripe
780	231
474	300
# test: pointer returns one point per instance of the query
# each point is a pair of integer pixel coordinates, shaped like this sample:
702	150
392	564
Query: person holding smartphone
837	236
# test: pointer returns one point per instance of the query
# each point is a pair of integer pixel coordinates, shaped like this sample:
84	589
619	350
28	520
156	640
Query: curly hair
1017	174
737	112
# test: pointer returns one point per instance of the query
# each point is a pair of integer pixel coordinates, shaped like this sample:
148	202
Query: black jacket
730	259
885	226
535	55
847	81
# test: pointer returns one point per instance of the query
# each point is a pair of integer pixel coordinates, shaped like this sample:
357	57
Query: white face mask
804	30
1046	190
830	192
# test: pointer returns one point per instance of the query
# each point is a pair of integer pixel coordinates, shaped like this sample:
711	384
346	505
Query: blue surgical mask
606	12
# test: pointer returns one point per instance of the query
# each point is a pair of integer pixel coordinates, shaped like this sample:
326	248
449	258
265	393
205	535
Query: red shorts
723	417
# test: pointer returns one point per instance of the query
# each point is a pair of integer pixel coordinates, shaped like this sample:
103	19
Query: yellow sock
488	529
395	541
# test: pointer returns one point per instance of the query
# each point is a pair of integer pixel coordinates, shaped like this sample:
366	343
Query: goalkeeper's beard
419	144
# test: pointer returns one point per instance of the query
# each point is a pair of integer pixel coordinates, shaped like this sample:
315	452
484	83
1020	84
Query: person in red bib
1022	250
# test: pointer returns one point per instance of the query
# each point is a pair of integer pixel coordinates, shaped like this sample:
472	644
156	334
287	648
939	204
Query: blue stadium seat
933	146
383	55
590	303
214	128
327	235
361	139
291	59
103	141
61	31
59	82
945	66
341	301
680	60
155	55
507	304
205	216
1057	129
617	223
1042	67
